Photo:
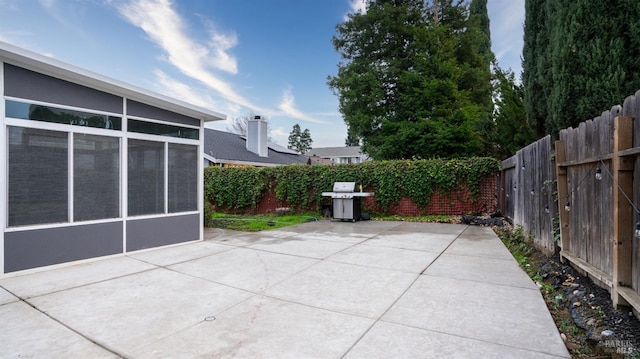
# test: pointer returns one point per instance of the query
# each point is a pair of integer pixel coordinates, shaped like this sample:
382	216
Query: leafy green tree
352	139
300	141
406	79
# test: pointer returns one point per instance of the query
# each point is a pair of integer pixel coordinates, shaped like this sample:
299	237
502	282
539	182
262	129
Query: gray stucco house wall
92	166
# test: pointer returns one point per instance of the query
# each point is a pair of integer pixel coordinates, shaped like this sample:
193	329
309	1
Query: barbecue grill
346	201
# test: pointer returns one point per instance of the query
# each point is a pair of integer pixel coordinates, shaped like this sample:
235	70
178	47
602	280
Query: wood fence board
526	196
599	211
632	108
578	237
606	201
593	243
607	223
622	210
592	145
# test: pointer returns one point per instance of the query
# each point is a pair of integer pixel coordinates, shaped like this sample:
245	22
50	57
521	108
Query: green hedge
302	185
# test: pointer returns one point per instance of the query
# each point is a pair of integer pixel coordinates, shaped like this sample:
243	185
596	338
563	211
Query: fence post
500	192
623	227
563	191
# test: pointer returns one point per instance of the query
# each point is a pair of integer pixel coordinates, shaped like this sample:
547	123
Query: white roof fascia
244	163
56	68
210	158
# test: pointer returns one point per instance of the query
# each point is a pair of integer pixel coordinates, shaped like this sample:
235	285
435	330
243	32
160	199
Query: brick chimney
257	137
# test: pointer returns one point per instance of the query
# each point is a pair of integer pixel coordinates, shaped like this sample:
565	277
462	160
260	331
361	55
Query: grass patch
261	222
256	223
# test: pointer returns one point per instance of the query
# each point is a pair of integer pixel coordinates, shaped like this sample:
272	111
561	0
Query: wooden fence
597	168
527	186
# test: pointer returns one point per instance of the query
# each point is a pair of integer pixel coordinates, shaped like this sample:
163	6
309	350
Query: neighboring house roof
315	160
231	148
349	151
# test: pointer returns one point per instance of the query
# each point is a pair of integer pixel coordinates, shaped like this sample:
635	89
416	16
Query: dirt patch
598	329
583	312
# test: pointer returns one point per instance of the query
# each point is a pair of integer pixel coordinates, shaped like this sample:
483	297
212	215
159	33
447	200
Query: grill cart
346	200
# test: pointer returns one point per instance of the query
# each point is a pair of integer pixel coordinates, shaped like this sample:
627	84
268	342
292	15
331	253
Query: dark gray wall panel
32	85
135	108
42	247
155	232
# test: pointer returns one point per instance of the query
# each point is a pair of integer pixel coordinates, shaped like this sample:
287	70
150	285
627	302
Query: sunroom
92	166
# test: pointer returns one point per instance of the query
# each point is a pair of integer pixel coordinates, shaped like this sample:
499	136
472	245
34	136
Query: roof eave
53	67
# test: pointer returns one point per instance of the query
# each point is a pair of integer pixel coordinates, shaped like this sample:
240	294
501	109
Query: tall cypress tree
580	58
594	59
536	70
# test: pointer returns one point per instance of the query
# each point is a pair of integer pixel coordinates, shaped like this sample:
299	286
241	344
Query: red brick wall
457	202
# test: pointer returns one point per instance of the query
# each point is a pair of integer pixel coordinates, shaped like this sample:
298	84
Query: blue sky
269	57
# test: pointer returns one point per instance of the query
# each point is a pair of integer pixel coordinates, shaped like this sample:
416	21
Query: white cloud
288	107
165	27
280	132
507	21
222	60
198	60
176	89
48	3
356	6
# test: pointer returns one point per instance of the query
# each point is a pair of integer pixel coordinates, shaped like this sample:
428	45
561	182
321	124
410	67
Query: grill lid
344	187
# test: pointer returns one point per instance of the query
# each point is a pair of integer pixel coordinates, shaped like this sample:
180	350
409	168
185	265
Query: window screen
183	178
38	176
96	177
145	177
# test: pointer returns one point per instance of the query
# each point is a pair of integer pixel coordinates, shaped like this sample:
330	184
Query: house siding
31	85
42	247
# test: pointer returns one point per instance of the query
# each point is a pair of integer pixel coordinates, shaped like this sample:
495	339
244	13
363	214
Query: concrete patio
317	290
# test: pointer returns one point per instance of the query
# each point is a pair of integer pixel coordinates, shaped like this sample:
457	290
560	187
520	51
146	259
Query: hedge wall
241	189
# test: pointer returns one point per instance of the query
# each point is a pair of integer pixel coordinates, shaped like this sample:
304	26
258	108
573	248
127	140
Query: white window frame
123	134
165	140
4	179
58	127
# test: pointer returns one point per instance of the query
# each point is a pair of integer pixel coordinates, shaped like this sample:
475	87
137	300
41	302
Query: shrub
302	185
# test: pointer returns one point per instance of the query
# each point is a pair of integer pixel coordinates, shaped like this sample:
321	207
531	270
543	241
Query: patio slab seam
80	334
480	281
295	255
480	256
260	292
403	248
80	285
165	266
471	338
396	300
300	255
